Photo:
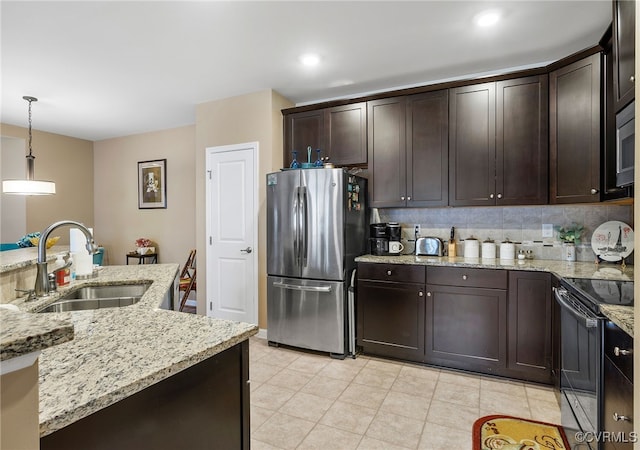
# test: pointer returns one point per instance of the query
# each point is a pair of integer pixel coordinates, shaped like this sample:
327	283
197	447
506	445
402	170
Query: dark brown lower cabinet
205	406
466	328
529	326
392	319
618	388
489	321
390	310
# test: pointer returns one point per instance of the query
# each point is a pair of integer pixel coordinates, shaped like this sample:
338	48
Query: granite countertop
117	352
24	257
23	333
620	315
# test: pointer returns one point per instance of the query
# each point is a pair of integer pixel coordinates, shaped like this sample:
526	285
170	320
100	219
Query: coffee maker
394	234
378	240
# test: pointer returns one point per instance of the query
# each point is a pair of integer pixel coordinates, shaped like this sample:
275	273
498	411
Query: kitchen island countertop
116	352
620	315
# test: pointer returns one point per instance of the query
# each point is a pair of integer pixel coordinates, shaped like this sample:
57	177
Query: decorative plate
612	241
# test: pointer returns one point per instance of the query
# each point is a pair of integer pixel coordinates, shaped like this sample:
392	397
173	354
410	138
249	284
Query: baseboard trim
262	333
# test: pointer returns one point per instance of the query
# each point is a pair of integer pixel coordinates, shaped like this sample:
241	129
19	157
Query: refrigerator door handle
304	226
296	225
296	287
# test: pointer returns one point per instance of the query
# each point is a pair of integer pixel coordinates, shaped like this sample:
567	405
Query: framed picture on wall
152	184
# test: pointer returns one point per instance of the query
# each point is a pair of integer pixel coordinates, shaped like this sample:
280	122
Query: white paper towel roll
77	240
84	262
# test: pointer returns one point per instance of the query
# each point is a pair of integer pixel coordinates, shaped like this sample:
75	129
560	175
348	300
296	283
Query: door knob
618	417
632	78
247	250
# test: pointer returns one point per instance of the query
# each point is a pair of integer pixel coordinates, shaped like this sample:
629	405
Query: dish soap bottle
451	249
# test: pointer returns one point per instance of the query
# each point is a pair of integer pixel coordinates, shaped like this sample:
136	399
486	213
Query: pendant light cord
30	99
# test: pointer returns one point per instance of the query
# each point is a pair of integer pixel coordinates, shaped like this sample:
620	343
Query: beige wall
118	221
246	118
67	161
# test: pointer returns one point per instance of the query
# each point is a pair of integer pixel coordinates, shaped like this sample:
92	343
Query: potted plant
144	246
570	236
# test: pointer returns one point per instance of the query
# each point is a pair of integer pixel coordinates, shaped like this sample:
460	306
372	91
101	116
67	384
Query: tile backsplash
520	224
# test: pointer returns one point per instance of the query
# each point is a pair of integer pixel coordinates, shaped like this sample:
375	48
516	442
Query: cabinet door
617	403
574	132
302	130
529	325
387	152
522	150
347	134
472	144
466	328
391	319
624	39
428	149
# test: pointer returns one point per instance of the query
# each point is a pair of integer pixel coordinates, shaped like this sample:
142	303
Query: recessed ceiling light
487	18
310	59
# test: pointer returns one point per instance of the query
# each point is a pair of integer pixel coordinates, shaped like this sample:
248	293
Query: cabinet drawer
614	338
392	272
462	277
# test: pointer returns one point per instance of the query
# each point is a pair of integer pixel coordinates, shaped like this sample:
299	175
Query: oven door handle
561	296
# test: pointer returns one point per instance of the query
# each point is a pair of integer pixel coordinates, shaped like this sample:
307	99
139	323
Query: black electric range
594	293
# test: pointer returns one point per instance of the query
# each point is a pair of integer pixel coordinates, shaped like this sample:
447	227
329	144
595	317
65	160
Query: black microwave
625	135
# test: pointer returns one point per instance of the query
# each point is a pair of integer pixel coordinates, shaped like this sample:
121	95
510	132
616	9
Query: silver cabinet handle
491	195
420	294
499	195
594	191
428	294
246	250
389	272
618	417
621	352
408	198
632	78
464	277
401	198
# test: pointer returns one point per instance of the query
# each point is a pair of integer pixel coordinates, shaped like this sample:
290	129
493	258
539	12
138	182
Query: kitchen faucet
42	281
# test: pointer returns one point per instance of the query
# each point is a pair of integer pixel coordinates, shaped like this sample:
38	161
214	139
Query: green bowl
307	165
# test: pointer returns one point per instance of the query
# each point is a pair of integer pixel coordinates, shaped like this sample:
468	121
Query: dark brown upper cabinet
339	132
427	127
346	128
624	37
574	132
302	130
472	143
408	150
498	143
522	141
387	152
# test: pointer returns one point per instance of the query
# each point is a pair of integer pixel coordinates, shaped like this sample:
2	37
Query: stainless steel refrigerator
316	226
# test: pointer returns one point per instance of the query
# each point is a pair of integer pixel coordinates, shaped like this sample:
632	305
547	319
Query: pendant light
30	186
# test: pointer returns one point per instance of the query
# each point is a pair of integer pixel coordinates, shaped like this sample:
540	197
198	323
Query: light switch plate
547	230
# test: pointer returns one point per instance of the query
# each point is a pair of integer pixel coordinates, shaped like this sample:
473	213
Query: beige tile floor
305	400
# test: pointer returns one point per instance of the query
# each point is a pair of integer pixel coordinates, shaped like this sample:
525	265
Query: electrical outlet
547	230
416	229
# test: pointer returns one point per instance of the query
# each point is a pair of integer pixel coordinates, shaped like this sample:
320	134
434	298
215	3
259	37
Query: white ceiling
114	68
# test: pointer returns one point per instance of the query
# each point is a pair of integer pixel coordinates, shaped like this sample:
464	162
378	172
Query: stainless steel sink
97	297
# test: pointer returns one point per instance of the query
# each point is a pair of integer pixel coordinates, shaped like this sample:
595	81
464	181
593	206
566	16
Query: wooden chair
188	278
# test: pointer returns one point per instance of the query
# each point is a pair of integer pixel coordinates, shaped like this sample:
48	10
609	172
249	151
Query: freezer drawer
307	314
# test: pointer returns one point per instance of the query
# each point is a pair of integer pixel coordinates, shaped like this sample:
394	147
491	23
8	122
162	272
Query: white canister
507	250
488	249
471	248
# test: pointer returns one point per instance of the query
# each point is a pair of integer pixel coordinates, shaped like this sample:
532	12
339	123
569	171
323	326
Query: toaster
429	246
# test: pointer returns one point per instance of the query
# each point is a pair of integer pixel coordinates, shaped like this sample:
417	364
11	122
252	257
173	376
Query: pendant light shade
30	186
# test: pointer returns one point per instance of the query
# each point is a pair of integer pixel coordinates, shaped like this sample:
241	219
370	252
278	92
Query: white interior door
232	230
